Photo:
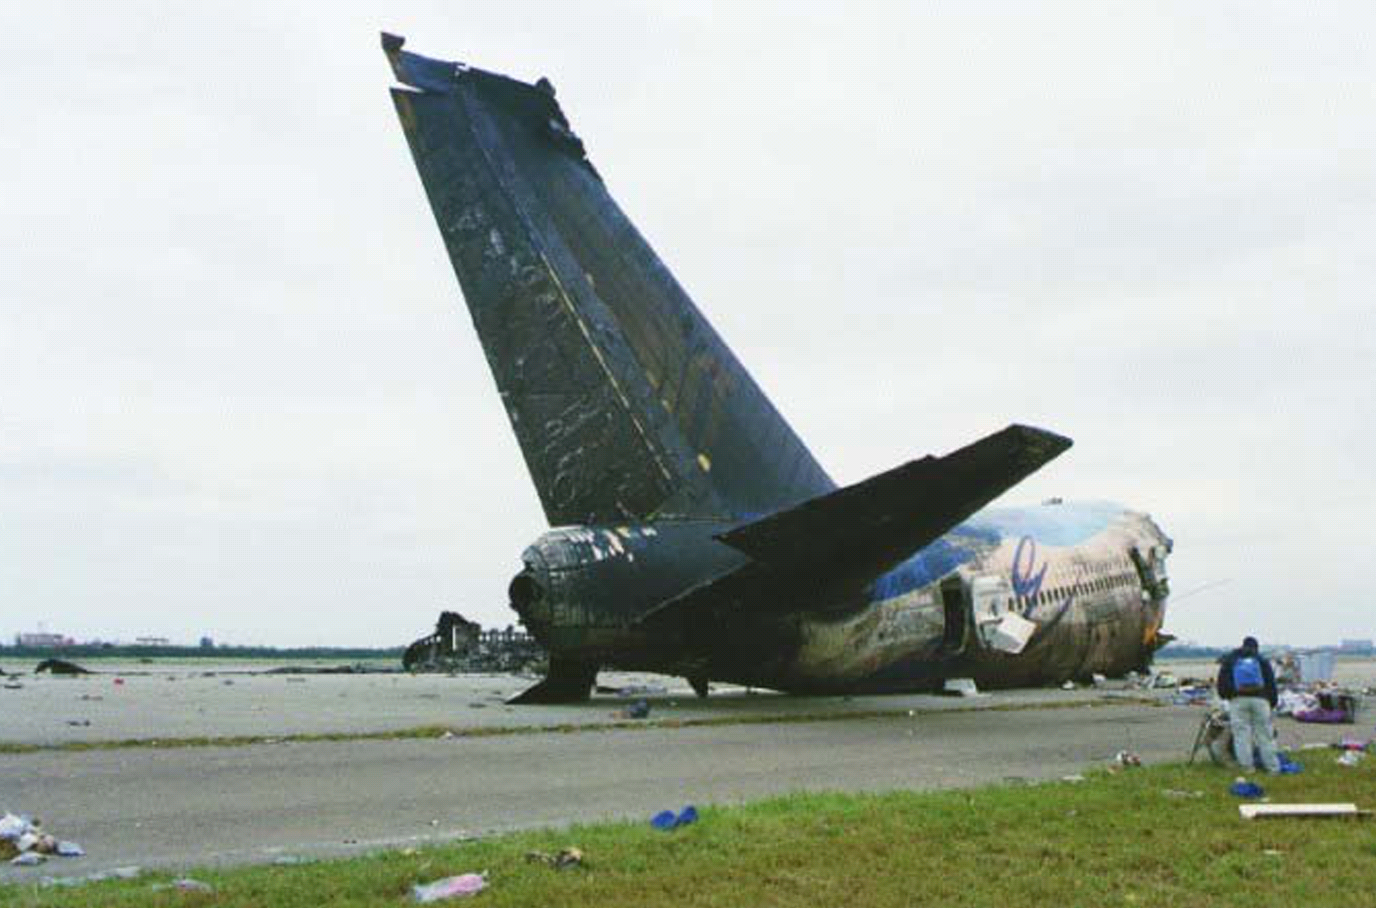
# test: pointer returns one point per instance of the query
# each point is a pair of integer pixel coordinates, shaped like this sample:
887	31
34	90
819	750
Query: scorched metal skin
694	533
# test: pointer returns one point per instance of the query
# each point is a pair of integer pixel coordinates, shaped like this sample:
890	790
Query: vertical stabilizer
625	401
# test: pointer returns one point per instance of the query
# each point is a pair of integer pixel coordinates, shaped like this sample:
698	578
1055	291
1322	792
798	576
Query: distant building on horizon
42	639
152	641
1356	646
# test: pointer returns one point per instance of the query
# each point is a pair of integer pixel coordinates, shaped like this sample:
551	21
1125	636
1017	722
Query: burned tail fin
625	401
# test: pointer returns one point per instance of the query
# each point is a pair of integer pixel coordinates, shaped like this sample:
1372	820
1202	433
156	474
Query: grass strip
1160	836
489	731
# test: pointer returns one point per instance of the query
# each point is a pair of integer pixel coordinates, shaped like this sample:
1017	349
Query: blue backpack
1247	677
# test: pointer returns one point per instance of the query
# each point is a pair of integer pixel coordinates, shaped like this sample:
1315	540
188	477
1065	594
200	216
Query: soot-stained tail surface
626	403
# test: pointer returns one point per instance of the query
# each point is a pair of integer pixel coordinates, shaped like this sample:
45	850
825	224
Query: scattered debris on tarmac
640	709
24	843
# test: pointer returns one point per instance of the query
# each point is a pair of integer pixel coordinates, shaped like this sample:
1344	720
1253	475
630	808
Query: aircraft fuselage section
1085	581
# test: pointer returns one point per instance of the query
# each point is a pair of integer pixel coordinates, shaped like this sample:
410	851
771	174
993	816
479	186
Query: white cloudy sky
239	395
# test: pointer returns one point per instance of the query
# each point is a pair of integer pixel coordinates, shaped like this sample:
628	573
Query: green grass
1114	840
488	731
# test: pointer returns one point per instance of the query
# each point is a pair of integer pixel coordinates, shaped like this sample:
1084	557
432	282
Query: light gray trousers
1250	718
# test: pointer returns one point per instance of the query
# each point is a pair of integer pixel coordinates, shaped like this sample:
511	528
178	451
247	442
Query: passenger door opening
953	612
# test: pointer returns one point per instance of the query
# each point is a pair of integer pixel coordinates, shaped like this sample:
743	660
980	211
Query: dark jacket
1225	675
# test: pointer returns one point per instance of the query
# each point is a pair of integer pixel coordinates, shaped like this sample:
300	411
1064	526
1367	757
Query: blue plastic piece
1247	790
666	820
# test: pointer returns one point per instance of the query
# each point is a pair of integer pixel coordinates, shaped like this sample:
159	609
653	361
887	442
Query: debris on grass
667	819
568	857
1351	758
461	886
184	884
1244	789
1252	811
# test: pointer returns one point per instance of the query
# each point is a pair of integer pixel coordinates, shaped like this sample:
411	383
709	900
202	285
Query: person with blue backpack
1246	681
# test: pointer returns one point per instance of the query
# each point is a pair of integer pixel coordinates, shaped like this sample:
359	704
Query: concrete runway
215	701
200	698
189	806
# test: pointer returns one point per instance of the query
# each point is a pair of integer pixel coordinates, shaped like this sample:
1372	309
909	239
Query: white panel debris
963	686
1012	633
1252	811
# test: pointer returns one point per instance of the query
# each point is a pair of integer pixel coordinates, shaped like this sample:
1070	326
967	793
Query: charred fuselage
1090	577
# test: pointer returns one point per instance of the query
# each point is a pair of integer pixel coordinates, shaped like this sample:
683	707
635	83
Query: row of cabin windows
1022	604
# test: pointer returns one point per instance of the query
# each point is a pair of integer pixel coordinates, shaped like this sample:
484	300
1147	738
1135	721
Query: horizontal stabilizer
862	530
876	523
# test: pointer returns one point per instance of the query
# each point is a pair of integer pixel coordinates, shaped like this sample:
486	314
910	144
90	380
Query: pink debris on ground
465	884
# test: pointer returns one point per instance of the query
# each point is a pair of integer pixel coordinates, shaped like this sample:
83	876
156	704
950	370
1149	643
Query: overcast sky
240	395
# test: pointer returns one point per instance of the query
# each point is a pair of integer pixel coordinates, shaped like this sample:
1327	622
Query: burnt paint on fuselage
1065	567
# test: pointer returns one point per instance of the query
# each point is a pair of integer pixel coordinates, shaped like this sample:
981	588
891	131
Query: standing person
1246	680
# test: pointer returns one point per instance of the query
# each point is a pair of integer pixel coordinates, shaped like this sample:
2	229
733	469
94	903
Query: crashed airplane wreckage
693	532
460	645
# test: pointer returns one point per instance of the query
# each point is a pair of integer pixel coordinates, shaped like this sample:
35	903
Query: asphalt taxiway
180	806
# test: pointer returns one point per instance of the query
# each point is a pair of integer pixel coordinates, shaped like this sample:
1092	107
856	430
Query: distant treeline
1191	651
137	651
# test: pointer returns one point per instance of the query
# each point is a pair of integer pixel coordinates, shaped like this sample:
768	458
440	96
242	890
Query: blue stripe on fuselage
1060	525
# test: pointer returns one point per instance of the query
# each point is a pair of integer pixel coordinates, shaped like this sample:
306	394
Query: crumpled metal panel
625	401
